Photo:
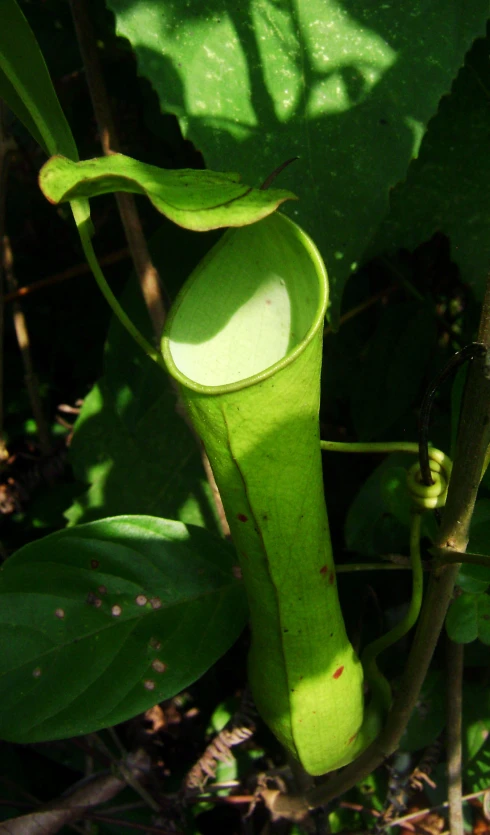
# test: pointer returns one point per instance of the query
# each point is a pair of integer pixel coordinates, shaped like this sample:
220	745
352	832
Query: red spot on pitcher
338	672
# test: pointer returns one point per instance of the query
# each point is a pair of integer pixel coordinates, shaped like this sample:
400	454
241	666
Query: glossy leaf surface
99	622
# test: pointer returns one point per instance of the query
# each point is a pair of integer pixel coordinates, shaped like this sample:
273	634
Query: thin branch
360	308
131	825
145	270
83	796
64	275
7	149
454	672
23	340
422	812
447	556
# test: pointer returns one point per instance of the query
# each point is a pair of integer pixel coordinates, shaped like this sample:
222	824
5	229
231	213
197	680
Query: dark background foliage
412	303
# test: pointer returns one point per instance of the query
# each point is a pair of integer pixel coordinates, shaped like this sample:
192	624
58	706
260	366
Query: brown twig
7	149
360	308
145	270
422	812
22	333
131	825
448	556
64	275
454	673
71	807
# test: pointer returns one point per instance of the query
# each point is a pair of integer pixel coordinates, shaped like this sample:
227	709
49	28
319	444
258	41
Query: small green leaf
476	718
99	622
477	775
484	618
462	619
378	498
473	579
428	717
198	200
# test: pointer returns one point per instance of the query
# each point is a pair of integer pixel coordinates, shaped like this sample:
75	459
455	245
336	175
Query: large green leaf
370	520
391	370
99	622
443	191
137	456
346	85
26	86
198	200
428	717
130	444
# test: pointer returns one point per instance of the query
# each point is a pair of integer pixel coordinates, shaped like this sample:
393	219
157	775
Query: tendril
428	497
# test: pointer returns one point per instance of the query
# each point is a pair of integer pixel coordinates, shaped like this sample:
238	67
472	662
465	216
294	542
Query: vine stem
471	449
148	277
379	684
375	447
110	297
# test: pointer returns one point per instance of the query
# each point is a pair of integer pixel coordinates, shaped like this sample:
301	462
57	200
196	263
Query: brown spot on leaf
116	611
324	569
94	563
351	740
338	672
155	603
158	666
148	684
102	589
241	517
155	644
37	672
237	572
59	613
331	578
93	600
141	600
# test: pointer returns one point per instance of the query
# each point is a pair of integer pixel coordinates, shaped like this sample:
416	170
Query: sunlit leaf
348	86
198	200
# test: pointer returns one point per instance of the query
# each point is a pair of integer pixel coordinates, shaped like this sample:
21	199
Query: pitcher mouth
249	308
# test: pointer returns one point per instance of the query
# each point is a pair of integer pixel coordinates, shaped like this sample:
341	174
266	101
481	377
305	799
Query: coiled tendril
428	497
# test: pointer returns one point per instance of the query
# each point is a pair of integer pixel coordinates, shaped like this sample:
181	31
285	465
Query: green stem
379	684
391	446
111	299
371	566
